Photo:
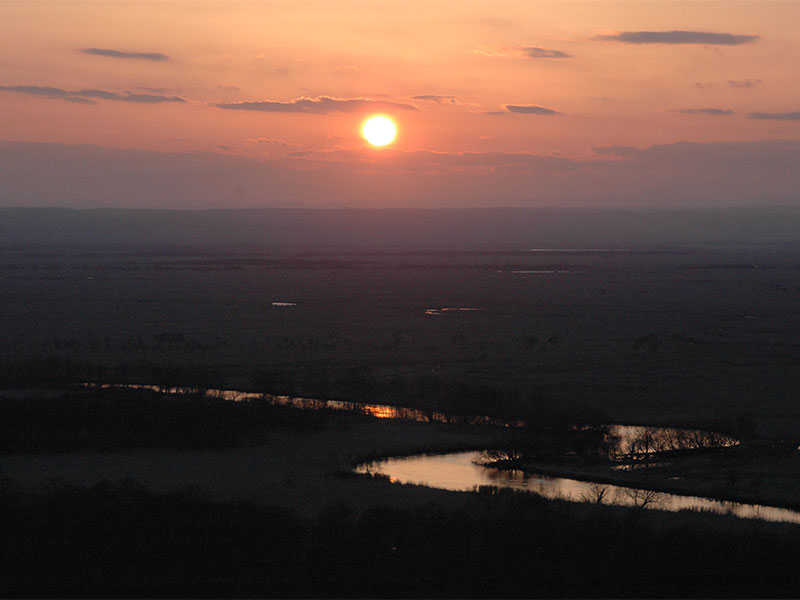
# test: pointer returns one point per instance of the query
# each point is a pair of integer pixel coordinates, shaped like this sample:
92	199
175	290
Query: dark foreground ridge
437	229
120	540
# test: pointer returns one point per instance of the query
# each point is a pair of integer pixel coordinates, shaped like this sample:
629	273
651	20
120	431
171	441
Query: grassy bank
121	540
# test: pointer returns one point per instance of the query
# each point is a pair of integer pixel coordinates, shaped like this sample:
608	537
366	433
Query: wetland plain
474	346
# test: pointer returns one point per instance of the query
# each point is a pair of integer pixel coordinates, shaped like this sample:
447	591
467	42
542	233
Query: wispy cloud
621	151
743	83
154	56
88	96
270	142
127	97
79	100
705	111
679	37
521	52
530	109
36	90
437	98
787	116
321	105
537	52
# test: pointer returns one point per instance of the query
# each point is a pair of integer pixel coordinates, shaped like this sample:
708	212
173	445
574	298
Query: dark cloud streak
744	83
36	90
320	106
87	96
536	52
679	37
79	100
788	116
438	98
705	111
153	56
530	109
137	98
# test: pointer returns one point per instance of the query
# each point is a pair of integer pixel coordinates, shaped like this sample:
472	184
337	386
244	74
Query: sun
379	130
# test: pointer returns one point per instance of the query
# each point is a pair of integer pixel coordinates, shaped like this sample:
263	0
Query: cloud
536	52
127	97
530	109
683	174
273	147
437	98
154	56
266	140
79	100
429	161
788	116
679	37
743	83
320	106
87	96
705	111
520	52
148	98
36	90
620	151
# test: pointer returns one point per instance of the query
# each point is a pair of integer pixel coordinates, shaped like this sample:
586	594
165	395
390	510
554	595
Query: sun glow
379	130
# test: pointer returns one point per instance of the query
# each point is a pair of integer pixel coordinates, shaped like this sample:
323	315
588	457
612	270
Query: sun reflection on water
379	411
462	471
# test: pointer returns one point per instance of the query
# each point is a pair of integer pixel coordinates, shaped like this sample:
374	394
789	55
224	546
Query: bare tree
643	498
597	494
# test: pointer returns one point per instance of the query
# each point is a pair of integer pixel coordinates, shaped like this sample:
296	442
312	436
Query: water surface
460	471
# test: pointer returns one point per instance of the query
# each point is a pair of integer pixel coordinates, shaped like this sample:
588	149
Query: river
460	471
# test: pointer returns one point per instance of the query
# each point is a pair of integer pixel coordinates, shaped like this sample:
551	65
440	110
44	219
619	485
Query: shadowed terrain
559	323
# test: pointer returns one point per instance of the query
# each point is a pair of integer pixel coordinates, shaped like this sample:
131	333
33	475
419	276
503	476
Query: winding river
460	471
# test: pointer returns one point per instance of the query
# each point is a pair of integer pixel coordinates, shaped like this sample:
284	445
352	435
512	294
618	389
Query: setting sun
379	130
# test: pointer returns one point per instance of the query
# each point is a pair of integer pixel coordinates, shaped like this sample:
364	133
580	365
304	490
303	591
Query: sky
209	104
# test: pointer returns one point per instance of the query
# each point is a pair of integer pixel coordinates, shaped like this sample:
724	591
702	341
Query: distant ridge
440	229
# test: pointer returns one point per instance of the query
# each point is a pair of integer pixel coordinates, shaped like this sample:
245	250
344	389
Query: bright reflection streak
458	471
380	411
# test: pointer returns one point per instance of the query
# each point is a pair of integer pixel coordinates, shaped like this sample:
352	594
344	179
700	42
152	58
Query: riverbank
273	449
737	474
273	508
226	451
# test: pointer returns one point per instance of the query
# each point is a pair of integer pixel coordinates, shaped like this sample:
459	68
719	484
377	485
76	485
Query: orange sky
177	76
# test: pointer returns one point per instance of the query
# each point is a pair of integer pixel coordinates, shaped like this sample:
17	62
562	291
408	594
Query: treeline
115	540
59	370
554	435
427	391
122	419
463	395
458	396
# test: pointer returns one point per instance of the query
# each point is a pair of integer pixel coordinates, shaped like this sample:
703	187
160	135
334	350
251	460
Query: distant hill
494	228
